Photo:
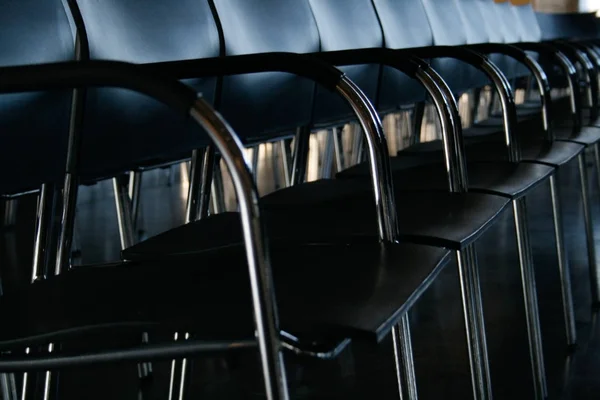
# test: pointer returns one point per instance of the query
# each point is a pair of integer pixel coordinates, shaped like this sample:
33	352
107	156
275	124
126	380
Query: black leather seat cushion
322	291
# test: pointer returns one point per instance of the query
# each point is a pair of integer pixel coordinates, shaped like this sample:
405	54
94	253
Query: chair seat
336	211
588	135
340	290
500	178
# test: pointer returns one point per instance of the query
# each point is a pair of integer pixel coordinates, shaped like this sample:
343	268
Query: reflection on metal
263	297
530	297
474	324
379	163
563	263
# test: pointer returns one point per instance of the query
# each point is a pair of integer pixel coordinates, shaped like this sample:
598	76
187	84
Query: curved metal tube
24	363
590	77
379	161
507	101
538	73
574	100
263	297
71	182
446	108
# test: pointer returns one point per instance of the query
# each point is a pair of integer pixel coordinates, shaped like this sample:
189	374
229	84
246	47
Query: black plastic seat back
261	106
448	30
405	25
481	26
33	126
346	25
124	129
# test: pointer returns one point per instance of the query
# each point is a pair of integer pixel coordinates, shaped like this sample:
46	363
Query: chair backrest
449	30
553	26
124	129
480	21
504	14
405	25
346	25
264	105
526	22
33	126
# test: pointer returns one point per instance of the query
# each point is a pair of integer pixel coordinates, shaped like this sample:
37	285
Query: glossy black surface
124	129
363	371
327	210
34	32
322	291
501	178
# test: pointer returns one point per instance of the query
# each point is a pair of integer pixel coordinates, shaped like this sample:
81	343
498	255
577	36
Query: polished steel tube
41	230
589	231
379	162
563	263
530	298
479	319
480	377
8	389
339	150
454	153
134	188
285	159
300	155
263	297
123	207
403	356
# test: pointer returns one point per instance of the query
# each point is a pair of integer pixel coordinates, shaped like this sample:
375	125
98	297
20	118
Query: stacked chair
307	269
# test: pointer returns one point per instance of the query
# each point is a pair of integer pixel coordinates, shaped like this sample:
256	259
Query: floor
367	371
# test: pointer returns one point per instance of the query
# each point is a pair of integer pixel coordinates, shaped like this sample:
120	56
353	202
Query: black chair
295	225
566	140
387	312
42	169
482	176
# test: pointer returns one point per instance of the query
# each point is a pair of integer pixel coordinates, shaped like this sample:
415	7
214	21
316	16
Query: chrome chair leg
218	190
327	156
255	154
179	372
8	387
403	355
201	175
123	205
589	231
474	324
42	227
597	162
300	155
563	264
10	212
417	122
338	149
530	297
134	188
285	158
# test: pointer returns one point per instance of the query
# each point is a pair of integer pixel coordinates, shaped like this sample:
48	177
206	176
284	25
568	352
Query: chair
478	172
